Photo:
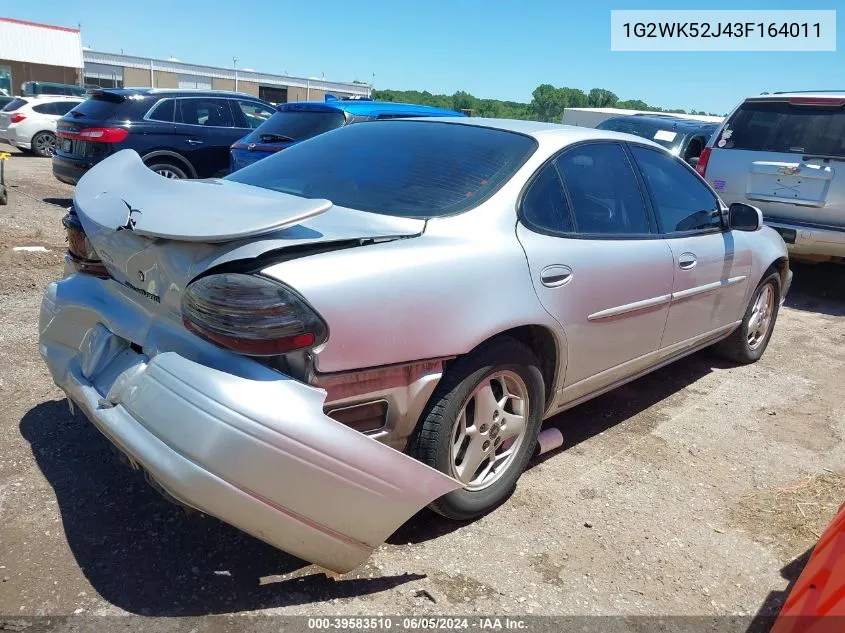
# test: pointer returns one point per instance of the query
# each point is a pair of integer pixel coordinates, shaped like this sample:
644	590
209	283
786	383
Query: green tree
601	98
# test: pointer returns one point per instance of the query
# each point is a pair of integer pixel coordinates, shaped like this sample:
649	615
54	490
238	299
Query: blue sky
495	48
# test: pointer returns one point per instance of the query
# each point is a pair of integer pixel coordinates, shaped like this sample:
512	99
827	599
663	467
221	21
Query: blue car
296	122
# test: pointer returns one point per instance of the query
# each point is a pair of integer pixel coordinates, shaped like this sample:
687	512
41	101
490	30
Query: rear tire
481	426
44	144
749	341
168	170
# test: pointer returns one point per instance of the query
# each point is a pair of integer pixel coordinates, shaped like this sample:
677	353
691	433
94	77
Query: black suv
177	133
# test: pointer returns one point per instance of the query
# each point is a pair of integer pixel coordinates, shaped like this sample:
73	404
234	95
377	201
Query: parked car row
29	123
200	134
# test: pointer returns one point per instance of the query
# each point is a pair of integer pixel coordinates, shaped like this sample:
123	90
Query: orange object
816	603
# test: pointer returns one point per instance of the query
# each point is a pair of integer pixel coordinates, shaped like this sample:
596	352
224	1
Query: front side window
206	112
415	168
544	206
681	201
603	189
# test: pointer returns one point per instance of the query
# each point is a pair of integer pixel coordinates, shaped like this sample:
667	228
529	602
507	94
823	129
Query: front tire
749	341
481	426
44	144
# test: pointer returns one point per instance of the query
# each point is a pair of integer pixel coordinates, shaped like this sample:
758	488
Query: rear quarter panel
437	295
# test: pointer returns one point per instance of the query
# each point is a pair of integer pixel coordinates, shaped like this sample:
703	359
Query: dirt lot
695	490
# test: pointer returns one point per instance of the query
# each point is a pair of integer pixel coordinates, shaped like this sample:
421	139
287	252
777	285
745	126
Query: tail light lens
98	134
701	167
17	117
81	254
251	315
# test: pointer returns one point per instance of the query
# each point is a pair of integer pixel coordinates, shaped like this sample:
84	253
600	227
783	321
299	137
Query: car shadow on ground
147	556
64	203
818	288
766	615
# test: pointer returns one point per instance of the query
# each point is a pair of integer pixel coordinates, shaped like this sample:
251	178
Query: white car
783	153
29	123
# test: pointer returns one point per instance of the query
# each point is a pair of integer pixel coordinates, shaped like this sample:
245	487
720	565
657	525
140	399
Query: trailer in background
591	117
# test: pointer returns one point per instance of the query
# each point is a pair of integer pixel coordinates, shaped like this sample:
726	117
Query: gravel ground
698	489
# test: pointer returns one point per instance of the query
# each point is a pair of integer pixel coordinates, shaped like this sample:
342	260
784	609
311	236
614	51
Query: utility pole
235	66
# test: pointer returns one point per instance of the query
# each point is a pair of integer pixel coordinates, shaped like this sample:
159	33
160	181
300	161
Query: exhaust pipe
548	440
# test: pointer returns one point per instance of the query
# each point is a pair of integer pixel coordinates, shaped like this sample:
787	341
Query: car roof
43	97
660	120
566	134
820	94
179	92
366	107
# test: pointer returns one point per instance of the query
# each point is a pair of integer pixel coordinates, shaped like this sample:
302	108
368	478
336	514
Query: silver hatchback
381	317
785	153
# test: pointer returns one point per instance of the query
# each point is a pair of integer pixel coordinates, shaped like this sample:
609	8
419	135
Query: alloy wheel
489	430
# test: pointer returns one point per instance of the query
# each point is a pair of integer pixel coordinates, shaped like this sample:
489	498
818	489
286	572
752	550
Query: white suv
785	153
29	123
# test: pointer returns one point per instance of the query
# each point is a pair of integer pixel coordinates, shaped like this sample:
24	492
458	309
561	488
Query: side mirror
744	217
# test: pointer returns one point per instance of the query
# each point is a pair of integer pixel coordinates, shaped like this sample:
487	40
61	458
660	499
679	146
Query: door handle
687	261
193	141
555	275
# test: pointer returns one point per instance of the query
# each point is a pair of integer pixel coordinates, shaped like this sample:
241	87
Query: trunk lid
154	234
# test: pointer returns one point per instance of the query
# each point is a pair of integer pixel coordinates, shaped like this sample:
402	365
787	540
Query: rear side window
297	125
544	205
44	108
163	111
681	201
603	189
402	168
15	104
206	112
779	126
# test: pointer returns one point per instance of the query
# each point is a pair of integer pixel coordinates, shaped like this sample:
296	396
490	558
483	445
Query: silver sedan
380	318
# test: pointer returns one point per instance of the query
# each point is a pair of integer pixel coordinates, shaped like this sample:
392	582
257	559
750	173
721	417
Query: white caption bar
695	30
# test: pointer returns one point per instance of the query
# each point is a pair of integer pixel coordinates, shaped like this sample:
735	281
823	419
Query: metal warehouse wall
25	71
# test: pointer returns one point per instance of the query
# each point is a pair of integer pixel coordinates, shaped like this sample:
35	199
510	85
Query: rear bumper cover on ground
256	451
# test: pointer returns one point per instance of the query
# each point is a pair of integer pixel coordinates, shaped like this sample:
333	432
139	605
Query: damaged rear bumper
251	447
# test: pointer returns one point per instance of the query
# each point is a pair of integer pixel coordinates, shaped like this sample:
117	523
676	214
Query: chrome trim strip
697	290
629	307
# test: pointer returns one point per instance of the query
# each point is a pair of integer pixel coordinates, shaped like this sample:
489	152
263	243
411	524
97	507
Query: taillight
103	134
81	254
701	166
251	315
97	134
17	117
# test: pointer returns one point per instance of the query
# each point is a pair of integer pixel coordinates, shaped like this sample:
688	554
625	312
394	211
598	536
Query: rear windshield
782	127
296	125
420	169
97	108
14	104
665	136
